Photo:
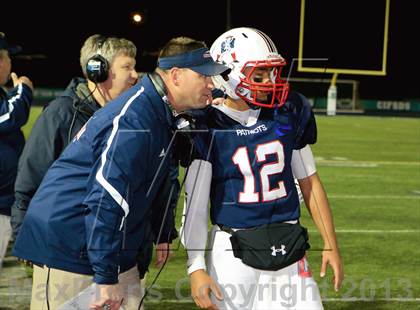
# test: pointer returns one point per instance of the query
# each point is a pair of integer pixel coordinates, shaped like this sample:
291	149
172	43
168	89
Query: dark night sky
58	31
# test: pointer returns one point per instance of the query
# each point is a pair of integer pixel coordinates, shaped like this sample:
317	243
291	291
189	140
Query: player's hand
201	287
23	79
109	297
163	252
217	101
333	258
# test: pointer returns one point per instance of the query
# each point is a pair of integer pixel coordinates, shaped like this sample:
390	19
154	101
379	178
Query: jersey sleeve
14	108
303	163
195	215
306	124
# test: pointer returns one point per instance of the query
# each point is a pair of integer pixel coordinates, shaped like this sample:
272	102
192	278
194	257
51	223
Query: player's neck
238	104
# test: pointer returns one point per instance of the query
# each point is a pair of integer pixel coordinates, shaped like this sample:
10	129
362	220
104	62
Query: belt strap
226	229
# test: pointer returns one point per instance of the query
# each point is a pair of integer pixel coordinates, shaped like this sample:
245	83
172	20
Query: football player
246	152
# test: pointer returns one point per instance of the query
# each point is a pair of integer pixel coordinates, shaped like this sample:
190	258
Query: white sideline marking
374	196
339	158
374	231
338	196
361	163
333	163
14	294
351	299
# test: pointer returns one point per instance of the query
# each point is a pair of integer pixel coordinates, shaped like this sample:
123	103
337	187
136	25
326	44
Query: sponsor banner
45	95
391	106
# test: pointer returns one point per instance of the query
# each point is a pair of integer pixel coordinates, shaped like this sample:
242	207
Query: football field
370	167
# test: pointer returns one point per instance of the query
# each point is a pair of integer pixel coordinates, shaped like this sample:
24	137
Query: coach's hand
201	287
333	258
110	297
163	252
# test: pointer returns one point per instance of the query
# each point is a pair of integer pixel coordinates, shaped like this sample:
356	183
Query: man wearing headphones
63	117
14	113
90	215
108	64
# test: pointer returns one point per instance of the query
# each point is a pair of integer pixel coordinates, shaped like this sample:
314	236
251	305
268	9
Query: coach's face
122	75
195	89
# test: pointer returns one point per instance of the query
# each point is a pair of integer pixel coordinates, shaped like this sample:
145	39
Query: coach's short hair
180	45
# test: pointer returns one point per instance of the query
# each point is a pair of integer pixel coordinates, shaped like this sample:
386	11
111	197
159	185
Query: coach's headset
183	121
97	66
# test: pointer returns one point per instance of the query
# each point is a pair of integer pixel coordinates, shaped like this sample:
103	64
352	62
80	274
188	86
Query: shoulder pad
300	107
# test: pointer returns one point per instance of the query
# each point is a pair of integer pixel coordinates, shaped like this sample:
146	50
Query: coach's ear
175	74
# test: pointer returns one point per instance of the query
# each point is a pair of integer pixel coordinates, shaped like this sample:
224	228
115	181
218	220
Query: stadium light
137	18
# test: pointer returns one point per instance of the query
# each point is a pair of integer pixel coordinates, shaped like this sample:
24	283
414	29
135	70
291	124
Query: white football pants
244	287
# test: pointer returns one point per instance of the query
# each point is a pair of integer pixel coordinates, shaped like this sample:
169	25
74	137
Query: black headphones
159	85
183	121
97	66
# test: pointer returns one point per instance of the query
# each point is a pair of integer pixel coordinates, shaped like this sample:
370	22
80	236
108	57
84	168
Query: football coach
88	219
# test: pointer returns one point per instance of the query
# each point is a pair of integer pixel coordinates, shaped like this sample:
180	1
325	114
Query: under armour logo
281	250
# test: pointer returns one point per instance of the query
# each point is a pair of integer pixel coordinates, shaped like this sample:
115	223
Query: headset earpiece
97	66
183	121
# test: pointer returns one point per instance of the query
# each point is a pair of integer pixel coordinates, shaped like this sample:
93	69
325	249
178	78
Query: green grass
33	116
370	167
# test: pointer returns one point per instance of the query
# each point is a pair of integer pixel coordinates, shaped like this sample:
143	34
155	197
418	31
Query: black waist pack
271	246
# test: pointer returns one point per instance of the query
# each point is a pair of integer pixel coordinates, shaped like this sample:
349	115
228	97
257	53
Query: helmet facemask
255	91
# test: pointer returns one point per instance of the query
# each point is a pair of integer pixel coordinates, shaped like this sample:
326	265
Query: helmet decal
227	46
248	52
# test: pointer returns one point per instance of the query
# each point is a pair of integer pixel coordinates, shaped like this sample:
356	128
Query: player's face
195	89
263	76
122	75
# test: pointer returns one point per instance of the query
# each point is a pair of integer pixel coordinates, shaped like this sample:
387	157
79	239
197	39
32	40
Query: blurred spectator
14	113
63	117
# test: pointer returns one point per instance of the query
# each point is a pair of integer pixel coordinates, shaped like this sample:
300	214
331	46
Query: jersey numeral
241	159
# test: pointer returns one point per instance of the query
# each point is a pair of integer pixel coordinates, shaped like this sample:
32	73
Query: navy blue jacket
14	113
91	213
58	123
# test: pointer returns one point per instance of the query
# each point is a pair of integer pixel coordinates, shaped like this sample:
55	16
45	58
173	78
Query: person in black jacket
63	117
108	63
14	113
